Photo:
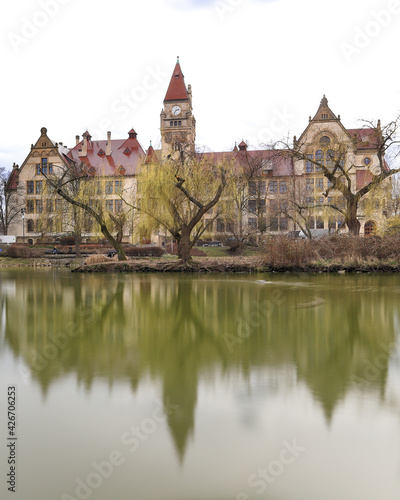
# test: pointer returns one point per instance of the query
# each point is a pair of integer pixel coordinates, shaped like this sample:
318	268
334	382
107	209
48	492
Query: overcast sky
258	68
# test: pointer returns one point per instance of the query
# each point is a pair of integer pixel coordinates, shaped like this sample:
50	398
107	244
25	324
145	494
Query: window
30	206
283	223
319	223
319	184
273	223
367	161
220	226
175	123
43	166
263	187
309	201
283	205
325	140
109	187
309	184
179	123
118	205
252	223
330	159
118	187
330	184
369	228
30	226
309	164
30	187
99	188
171	124
110	205
39	187
49	206
273	186
320	200
253	206
39	206
50	188
283	187
262	206
252	188
58	205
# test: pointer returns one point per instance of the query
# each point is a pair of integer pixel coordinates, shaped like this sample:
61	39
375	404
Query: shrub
150	251
67	240
22	252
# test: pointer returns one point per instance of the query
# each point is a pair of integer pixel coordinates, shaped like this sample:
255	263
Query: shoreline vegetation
336	254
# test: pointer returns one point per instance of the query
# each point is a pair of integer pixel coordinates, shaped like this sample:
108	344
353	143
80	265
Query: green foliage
392	227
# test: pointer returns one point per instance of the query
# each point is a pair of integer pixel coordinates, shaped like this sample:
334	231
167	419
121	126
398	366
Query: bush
67	240
23	252
150	251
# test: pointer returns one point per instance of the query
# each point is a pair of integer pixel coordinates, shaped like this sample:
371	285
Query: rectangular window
38	169
283	205
118	205
49	206
39	206
263	187
99	189
309	201
273	186
273	223
30	206
58	205
320	200
110	205
252	223
283	223
220	226
118	187
319	184
309	184
319	223
50	188
109	187
30	187
252	188
39	187
283	187
252	206
43	166
262	206
50	168
309	164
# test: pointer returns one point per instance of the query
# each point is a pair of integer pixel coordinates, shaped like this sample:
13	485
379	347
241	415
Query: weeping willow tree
87	204
176	195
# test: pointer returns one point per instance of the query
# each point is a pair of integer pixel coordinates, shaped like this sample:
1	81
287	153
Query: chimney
108	145
77	139
83	151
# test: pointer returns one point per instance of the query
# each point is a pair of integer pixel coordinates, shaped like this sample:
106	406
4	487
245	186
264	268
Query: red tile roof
367	138
110	165
177	88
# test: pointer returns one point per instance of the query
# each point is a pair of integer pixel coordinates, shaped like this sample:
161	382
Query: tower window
171	124
179	123
175	123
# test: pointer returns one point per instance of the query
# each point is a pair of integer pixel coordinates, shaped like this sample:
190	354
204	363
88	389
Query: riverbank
234	265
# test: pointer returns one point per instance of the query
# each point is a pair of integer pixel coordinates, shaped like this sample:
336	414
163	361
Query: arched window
171	123
369	228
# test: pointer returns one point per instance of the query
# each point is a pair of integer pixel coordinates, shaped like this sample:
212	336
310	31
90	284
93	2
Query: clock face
176	110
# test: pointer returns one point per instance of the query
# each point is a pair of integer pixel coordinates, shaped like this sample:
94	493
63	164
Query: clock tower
178	125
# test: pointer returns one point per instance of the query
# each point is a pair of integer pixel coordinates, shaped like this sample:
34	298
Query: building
283	191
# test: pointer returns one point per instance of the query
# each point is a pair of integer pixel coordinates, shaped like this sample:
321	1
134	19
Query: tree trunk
352	223
184	247
116	244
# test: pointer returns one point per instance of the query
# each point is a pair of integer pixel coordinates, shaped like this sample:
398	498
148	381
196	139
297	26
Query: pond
211	387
